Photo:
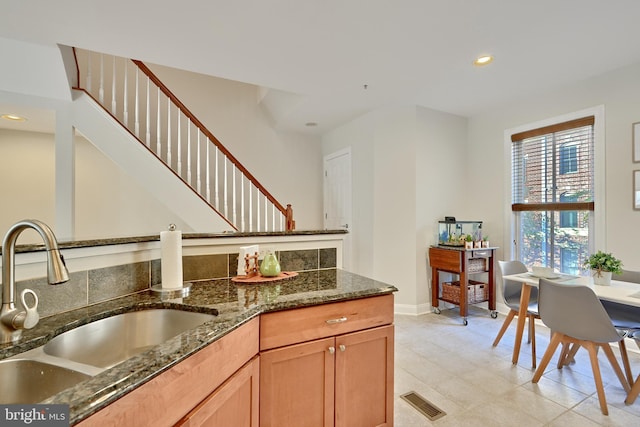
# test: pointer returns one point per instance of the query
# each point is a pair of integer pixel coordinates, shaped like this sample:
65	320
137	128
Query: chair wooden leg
572	353
562	359
616	367
556	338
505	325
633	393
532	332
593	356
625	361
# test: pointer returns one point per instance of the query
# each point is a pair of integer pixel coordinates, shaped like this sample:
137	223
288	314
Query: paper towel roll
171	259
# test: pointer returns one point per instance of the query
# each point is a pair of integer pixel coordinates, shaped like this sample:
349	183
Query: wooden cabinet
364	378
235	403
324	365
167	398
463	263
328	365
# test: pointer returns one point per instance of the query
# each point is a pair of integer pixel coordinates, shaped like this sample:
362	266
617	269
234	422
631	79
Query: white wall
358	134
394	206
407	174
289	165
619	92
27	184
441	177
108	202
33	69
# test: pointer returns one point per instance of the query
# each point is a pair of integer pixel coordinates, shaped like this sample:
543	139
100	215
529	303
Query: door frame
347	242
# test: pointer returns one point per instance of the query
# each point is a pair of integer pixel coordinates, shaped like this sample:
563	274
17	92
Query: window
568	158
569	261
568	219
553	193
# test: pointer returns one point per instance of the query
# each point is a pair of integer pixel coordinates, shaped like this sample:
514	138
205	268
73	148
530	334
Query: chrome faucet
13	319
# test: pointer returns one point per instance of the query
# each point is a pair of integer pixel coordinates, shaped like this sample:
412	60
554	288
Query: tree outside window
552	170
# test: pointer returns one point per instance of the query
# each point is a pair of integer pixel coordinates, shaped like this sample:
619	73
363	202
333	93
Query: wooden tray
261	279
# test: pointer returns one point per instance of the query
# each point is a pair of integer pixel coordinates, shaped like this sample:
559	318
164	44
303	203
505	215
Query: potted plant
602	266
485	242
468	242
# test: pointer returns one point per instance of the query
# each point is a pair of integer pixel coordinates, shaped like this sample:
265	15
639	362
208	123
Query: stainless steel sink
31	381
107	342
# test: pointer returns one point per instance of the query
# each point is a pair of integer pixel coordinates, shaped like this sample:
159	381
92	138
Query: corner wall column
65	166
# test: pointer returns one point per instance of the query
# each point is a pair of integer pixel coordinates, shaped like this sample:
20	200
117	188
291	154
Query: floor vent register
423	406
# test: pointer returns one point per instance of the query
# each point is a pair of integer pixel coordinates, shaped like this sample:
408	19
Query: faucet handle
30	317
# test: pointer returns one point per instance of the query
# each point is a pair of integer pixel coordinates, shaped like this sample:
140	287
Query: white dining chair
623	316
511	291
635	389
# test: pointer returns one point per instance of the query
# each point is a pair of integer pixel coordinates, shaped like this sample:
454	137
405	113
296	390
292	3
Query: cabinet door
364	378
234	403
296	385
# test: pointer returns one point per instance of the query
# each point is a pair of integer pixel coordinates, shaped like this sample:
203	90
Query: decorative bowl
545	272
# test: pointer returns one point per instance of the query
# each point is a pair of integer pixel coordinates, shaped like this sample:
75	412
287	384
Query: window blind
553	167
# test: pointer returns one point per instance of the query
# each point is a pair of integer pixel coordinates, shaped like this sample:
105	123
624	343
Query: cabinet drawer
481	254
304	324
444	259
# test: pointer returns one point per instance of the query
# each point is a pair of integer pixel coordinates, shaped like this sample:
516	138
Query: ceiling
328	61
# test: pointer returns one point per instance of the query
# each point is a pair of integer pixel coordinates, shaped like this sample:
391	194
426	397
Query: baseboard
418	309
412	309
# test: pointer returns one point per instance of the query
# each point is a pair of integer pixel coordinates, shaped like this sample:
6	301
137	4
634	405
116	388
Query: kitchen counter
90	243
235	304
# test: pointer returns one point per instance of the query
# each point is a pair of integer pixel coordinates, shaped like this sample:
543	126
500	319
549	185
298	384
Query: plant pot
485	243
602	278
477	244
468	245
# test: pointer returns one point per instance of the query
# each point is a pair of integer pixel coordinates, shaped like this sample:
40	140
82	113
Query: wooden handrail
158	157
287	213
207	133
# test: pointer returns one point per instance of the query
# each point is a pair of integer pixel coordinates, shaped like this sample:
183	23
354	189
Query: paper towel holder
174	292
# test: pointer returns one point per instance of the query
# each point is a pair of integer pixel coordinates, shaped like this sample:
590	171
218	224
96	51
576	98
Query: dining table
621	292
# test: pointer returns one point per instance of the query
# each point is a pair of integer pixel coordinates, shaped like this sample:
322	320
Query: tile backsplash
97	285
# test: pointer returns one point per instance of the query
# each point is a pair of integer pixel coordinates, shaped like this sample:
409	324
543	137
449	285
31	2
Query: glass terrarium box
454	233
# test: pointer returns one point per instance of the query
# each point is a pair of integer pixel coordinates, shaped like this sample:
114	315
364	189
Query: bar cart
465	263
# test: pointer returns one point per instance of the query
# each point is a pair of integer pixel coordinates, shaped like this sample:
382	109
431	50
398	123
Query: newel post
291	224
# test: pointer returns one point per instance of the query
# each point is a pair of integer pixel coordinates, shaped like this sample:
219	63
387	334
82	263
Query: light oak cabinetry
235	403
202	386
328	365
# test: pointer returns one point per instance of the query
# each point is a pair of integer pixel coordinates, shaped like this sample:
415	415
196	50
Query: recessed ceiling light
311	124
13	118
483	60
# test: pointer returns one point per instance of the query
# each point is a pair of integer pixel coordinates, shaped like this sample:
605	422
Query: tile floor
456	368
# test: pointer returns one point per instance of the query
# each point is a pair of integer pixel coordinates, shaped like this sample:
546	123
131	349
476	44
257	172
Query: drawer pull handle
332	350
342	347
338	320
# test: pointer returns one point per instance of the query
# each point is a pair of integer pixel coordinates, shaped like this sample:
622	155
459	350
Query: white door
337	197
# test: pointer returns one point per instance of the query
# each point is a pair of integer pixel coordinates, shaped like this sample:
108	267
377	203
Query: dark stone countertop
235	303
62	244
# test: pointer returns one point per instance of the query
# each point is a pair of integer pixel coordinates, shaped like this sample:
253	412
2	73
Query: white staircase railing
137	99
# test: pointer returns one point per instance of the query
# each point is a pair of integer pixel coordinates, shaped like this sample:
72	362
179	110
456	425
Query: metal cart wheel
494	314
436	310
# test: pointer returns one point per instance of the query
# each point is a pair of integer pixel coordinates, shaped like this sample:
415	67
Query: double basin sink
80	353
